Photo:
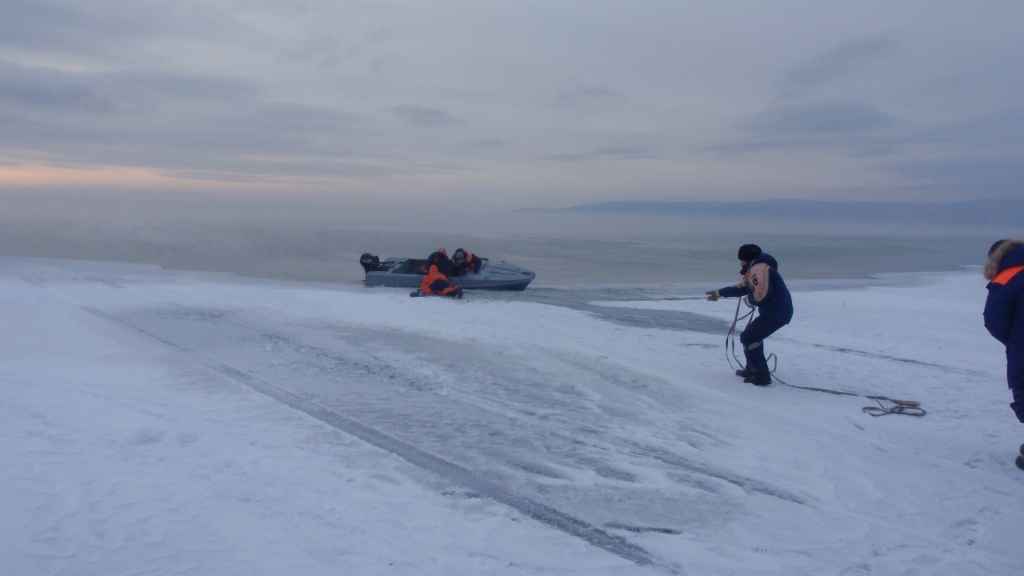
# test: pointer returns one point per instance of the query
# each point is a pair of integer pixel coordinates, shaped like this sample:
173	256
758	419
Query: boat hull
493	275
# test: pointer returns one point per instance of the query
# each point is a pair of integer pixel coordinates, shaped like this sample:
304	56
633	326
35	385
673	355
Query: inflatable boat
493	275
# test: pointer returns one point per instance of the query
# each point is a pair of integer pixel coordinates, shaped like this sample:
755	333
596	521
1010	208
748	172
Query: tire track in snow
644	451
420	458
898	359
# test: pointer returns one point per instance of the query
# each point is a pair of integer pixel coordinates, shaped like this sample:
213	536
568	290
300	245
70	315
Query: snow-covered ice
182	423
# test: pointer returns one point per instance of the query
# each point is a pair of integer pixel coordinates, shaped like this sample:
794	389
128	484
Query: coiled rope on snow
905	407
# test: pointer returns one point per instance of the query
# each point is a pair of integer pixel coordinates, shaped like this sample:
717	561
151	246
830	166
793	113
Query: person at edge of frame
1004	315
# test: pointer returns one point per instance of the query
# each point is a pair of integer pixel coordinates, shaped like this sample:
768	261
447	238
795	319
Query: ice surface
179	422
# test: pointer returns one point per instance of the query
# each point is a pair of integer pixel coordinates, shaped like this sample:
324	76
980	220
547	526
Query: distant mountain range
990	212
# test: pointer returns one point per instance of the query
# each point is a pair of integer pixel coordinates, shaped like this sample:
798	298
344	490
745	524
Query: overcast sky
514	104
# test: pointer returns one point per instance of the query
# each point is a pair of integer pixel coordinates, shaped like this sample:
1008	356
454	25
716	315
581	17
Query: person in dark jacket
440	259
465	263
762	286
1004	315
369	262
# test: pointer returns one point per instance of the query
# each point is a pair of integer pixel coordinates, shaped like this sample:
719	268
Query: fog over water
310	241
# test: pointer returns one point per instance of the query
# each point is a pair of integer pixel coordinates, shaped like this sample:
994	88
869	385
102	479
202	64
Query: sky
508	105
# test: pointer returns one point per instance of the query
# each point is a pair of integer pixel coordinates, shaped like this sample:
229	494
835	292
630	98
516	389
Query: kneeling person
436	284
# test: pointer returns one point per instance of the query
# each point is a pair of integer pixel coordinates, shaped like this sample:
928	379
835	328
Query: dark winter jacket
369	262
439	259
1004	309
1004	312
765	289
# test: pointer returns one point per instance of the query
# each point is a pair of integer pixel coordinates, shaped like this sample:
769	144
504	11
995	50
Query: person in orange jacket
464	262
437	284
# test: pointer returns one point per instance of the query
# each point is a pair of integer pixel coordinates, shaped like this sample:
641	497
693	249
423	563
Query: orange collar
1007	274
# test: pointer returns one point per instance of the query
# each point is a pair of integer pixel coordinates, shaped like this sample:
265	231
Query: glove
713	295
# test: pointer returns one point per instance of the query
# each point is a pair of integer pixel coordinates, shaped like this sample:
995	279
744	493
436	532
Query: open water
583	251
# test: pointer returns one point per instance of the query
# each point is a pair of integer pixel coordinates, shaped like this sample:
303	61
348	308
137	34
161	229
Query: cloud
523	95
49	89
987	175
62	91
794	121
996	132
624	152
583	95
102	27
858	128
842	61
985	151
171	121
813	119
425	117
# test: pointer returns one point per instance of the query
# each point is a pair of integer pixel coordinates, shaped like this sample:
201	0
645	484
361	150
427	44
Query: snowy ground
165	423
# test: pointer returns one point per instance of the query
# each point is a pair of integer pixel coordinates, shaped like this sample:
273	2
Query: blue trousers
1015	375
752	339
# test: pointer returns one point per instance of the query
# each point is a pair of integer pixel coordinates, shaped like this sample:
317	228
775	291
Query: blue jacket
1004	313
1004	309
439	259
765	289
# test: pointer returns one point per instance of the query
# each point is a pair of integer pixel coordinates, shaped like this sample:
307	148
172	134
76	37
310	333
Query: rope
647	299
904	407
730	338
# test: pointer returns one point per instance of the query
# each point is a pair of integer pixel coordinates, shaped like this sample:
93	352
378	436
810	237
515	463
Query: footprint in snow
145	436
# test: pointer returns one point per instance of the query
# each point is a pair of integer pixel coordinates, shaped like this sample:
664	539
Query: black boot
759	378
746	372
1020	458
